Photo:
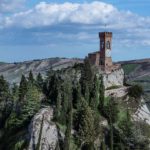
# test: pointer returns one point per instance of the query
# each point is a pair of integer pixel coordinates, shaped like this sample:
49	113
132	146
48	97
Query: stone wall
115	78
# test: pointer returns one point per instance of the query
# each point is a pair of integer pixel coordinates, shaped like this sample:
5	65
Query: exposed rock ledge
42	125
119	92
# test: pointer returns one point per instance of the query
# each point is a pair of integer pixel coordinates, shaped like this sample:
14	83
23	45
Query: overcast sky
34	29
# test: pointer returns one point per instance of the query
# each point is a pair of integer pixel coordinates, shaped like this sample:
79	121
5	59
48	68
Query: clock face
108	53
108	44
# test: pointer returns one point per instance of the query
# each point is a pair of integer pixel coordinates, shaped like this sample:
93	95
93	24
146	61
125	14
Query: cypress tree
79	96
58	104
4	88
101	94
31	78
53	84
110	111
67	140
39	81
66	97
86	130
94	100
15	92
86	80
23	88
6	103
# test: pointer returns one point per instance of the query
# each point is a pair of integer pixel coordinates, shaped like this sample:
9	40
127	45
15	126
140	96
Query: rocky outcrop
43	131
142	114
115	78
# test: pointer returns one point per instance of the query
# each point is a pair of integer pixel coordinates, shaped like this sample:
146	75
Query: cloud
70	21
44	14
7	6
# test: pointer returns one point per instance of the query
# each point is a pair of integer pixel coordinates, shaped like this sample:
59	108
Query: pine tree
53	85
39	81
23	88
4	88
32	103
6	102
31	78
15	92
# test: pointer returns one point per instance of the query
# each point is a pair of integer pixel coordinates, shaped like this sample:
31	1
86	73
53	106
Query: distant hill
138	72
13	71
136	69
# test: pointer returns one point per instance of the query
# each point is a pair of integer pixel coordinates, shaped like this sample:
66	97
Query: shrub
135	91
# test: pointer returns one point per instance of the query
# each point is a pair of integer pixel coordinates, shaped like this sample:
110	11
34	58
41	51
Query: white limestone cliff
115	78
143	113
42	124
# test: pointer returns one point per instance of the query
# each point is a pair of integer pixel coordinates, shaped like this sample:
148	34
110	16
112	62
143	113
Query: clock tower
105	49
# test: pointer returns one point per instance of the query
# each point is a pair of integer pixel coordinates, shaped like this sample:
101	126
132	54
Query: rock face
142	113
43	131
114	78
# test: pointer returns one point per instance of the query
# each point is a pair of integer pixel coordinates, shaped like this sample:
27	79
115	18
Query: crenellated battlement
105	34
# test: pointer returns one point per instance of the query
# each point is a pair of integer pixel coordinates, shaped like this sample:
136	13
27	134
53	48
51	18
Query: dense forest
88	119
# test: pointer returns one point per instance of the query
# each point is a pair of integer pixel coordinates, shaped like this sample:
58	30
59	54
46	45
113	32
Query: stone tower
105	49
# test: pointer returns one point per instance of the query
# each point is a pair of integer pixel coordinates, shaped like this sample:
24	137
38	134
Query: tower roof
103	34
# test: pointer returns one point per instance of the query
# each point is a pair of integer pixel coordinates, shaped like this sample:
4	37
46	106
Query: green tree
95	94
52	87
101	94
40	82
77	96
28	109
86	130
66	97
57	113
135	91
87	76
6	102
110	111
15	92
31	78
23	88
67	140
32	104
